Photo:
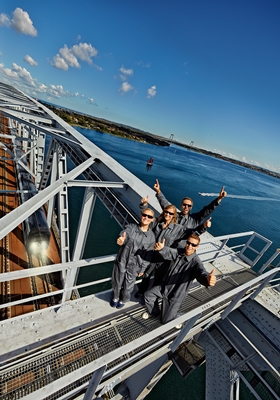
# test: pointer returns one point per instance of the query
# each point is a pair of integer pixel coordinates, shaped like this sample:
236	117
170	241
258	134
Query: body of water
252	204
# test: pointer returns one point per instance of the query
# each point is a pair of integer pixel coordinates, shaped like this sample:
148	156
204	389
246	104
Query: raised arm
222	194
199	216
157	187
163	202
144	203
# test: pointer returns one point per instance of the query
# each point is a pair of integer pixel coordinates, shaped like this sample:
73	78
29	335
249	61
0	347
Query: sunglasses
187	205
148	216
168	212
191	244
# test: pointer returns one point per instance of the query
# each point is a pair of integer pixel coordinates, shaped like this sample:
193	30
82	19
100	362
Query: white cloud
69	57
22	79
24	75
144	65
30	60
97	67
5	20
127	72
152	91
244	159
57	91
60	63
233	156
18	73
84	52
42	88
269	167
125	87
257	163
8	72
22	23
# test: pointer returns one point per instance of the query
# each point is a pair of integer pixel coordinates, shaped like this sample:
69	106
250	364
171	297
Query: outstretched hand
211	278
207	223
121	239
157	187
159	245
222	194
145	200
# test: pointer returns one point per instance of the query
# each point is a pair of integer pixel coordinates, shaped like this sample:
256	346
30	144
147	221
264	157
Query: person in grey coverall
137	243
165	228
185	218
184	268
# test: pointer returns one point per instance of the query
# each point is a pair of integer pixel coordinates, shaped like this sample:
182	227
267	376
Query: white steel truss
71	321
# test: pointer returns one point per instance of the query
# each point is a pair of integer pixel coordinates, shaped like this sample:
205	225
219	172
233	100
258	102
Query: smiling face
186	205
191	245
168	214
147	217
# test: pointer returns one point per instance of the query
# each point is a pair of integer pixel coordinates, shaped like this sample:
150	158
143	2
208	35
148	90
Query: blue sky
204	71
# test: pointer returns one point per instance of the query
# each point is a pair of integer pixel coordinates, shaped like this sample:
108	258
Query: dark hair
174	217
194	236
186	198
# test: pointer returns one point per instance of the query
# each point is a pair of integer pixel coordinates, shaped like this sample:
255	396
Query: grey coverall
172	234
190	221
133	257
173	289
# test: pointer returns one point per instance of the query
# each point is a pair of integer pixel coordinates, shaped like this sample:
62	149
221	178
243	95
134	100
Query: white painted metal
30	331
84	223
81	237
268	263
40	156
62	203
15	217
53	165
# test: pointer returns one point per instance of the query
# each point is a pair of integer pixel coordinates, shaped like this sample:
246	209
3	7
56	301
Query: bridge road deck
13	256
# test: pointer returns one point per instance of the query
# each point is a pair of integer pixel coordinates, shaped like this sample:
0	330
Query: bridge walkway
29	368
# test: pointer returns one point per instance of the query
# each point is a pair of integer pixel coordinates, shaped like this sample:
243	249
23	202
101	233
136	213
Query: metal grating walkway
30	373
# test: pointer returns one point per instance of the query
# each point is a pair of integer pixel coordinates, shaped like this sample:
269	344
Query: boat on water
79	347
149	164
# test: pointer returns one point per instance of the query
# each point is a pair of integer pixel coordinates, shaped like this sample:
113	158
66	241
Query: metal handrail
70	265
120	351
223	249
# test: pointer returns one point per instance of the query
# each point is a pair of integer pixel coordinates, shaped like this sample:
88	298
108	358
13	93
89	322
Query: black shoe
120	304
113	303
138	295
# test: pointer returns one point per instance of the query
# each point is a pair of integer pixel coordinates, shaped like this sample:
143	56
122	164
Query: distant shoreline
231	160
76	118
